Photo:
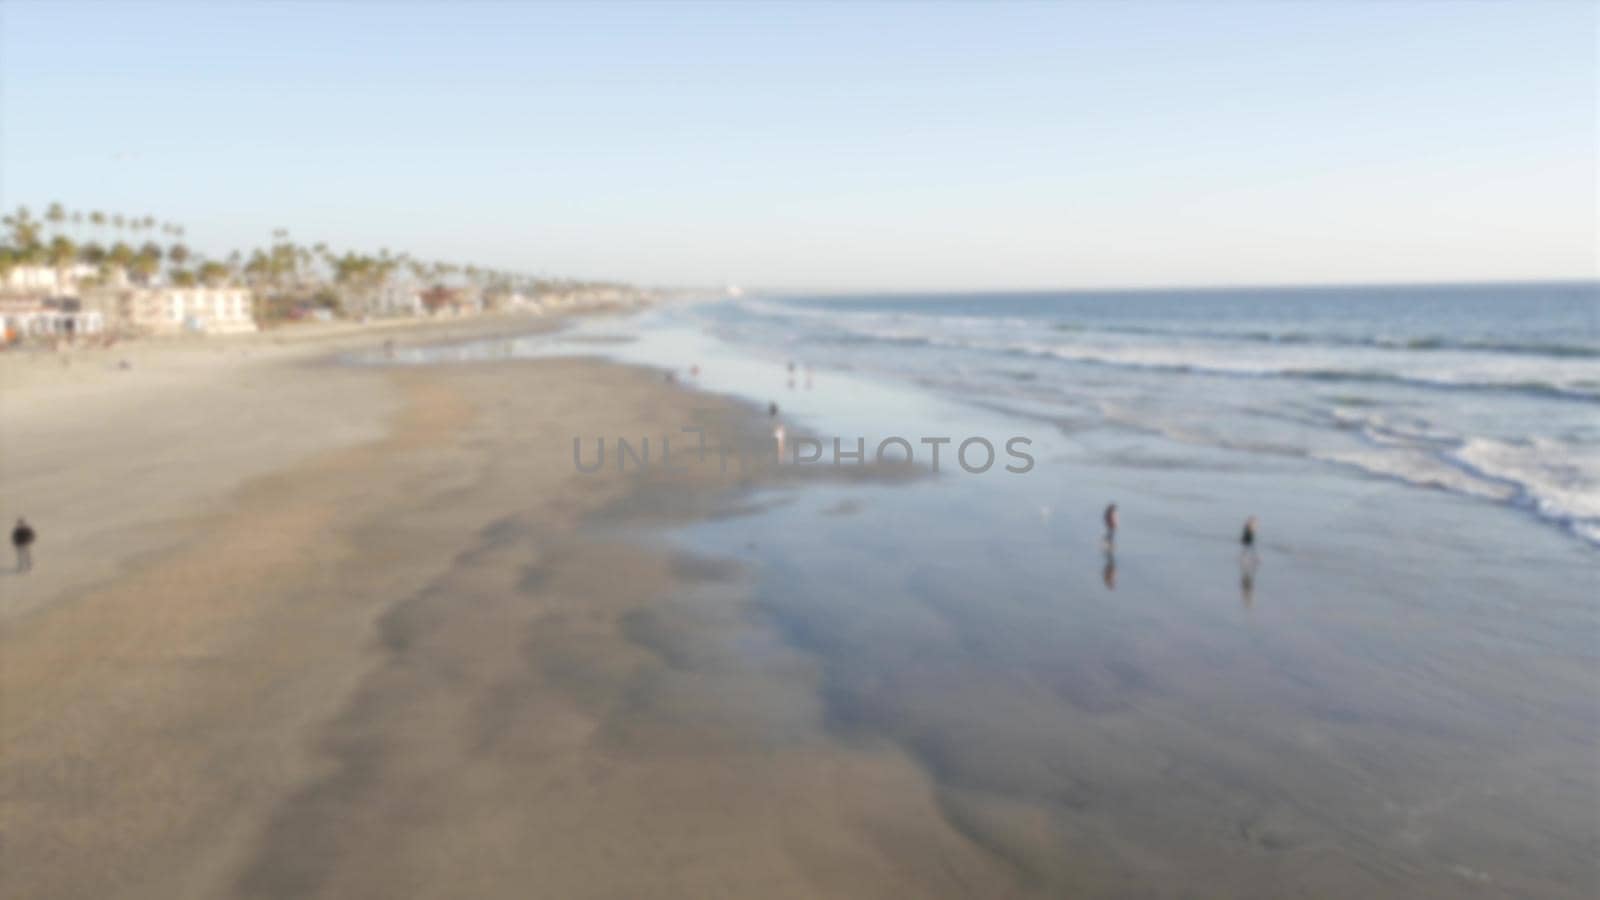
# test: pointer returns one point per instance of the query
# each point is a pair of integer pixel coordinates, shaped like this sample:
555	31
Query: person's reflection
1109	573
1248	563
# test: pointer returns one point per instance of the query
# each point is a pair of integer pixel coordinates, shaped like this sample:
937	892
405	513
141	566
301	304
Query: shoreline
1111	722
363	630
253	704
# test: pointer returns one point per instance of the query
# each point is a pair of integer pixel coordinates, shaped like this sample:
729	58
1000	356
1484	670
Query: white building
25	318
203	310
397	299
47	279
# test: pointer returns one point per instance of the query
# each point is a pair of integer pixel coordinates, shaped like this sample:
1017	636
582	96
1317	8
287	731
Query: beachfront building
396	299
187	310
469	301
46	281
557	299
516	301
596	295
24	318
452	301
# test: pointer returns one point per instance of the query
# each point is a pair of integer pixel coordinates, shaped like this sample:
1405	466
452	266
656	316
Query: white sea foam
1560	480
1576	378
1487	405
1420	468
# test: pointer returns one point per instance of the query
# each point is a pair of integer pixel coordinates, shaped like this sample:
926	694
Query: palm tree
213	273
258	270
61	255
24	236
55	214
148	262
325	257
119	258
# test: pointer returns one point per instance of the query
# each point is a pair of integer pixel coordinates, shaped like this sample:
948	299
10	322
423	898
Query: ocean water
1490	391
1395	699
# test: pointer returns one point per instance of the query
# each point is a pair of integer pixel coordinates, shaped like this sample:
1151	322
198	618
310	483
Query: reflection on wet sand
1249	562
1151	748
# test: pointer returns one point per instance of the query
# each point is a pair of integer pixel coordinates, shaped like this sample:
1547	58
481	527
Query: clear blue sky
833	145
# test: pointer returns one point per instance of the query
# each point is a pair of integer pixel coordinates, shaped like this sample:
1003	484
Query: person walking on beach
22	541
1109	546
1248	563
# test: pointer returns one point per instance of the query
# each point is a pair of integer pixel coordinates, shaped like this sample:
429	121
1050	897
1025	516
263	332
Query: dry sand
299	630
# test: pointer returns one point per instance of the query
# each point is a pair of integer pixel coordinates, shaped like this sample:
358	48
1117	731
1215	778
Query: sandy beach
303	630
315	617
641	451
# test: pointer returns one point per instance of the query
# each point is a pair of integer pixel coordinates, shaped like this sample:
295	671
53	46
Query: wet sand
342	632
302	630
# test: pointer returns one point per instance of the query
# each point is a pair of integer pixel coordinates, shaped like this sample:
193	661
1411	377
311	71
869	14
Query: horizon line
1592	282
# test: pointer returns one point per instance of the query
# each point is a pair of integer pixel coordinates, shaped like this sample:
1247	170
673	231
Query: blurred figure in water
1247	583
1109	545
1249	561
778	432
22	541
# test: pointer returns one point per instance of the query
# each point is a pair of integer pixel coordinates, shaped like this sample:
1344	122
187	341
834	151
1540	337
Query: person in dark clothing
1249	561
1111	522
22	541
